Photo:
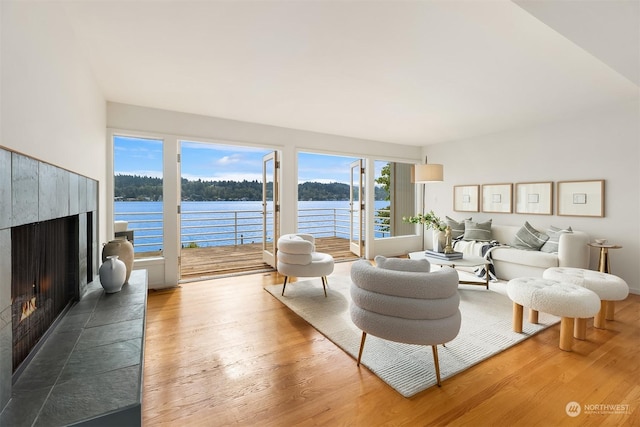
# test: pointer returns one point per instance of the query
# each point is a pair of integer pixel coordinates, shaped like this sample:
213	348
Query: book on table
442	255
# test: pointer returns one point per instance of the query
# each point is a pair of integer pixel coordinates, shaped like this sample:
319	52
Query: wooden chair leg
580	329
285	284
517	317
566	333
599	320
324	285
611	309
437	363
364	337
533	316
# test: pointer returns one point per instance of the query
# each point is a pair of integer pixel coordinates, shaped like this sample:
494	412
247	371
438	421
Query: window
394	198
138	210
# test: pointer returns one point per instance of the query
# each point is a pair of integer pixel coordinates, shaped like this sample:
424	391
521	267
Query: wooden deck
241	259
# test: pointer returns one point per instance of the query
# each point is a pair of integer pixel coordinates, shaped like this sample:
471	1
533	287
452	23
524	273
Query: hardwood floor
225	352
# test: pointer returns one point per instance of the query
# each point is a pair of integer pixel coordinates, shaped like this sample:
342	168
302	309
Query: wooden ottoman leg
580	329
598	321
533	316
611	308
566	333
517	317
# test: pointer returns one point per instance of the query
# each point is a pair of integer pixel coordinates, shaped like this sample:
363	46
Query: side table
603	261
605	267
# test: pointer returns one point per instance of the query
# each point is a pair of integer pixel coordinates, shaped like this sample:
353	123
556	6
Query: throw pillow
457	228
477	230
551	245
528	238
403	264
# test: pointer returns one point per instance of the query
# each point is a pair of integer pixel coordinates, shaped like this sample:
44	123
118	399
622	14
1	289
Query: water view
229	222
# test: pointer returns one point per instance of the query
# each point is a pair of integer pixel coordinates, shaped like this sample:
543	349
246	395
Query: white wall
598	145
51	107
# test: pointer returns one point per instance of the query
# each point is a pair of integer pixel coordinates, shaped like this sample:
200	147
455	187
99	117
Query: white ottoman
565	300
608	287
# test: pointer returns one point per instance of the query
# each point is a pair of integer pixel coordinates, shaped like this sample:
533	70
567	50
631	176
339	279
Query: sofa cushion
518	256
551	245
403	264
457	227
528	238
477	230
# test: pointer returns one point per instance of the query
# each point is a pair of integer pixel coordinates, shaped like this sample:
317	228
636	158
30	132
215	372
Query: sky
214	162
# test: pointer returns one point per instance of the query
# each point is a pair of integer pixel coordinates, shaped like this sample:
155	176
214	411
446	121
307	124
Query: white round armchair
297	257
401	300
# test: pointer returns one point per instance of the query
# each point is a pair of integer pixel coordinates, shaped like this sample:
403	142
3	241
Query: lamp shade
428	173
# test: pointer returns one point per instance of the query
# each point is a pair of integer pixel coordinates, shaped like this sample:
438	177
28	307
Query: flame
28	308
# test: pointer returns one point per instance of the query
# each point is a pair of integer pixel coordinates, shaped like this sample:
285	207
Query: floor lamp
423	174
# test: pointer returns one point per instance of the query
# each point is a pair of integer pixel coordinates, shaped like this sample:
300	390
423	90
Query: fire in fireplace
44	279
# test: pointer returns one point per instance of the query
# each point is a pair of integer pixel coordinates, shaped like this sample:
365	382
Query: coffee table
465	261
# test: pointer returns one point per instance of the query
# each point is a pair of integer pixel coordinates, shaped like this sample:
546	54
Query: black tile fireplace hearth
34	195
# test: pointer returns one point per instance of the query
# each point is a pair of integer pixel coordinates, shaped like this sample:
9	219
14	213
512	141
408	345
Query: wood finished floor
225	352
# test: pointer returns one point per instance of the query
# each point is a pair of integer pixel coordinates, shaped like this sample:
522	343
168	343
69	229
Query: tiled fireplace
48	231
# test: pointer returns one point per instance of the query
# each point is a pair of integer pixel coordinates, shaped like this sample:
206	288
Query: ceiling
411	72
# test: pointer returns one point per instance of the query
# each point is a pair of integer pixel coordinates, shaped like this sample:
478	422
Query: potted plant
431	221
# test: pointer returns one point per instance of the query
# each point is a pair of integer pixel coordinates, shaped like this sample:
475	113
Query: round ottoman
566	300
608	287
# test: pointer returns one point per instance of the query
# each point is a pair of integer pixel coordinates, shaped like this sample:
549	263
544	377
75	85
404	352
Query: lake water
229	222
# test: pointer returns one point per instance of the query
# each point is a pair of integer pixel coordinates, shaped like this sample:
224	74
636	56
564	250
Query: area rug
409	369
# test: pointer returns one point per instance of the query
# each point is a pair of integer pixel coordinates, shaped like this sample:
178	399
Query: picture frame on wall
465	198
534	198
497	198
581	198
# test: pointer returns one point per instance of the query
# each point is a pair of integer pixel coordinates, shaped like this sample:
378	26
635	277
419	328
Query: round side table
603	262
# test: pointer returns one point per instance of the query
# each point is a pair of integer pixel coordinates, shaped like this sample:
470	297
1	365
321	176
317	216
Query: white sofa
510	263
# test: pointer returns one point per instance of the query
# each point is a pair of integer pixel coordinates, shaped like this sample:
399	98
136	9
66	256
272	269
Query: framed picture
581	198
497	198
534	198
465	198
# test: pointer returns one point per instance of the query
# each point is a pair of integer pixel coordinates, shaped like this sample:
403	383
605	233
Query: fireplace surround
34	193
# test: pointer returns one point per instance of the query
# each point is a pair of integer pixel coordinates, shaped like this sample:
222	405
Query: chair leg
364	337
324	285
285	284
517	317
436	362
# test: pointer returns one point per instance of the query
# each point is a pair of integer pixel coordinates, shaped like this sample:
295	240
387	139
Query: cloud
229	160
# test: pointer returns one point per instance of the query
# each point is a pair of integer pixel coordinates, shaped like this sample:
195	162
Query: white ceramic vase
112	274
438	241
124	249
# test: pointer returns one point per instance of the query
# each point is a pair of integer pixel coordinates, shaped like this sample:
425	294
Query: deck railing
237	227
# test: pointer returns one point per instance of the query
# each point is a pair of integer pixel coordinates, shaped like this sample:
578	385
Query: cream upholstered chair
297	257
401	300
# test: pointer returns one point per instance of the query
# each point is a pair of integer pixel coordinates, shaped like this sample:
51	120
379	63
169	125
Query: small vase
124	249
438	241
112	274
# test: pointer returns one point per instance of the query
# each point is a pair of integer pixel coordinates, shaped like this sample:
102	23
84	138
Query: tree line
135	187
